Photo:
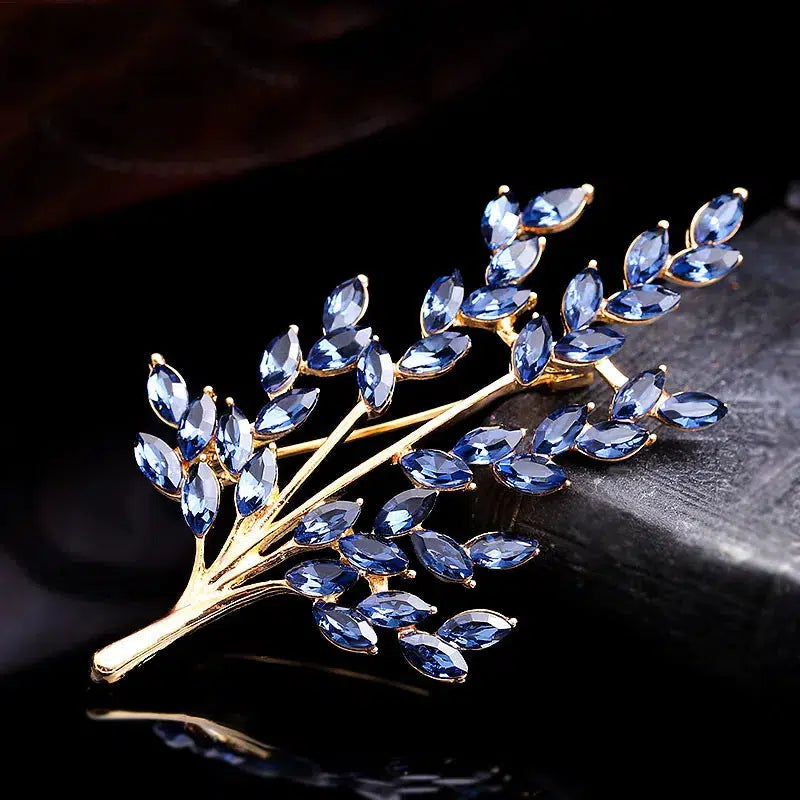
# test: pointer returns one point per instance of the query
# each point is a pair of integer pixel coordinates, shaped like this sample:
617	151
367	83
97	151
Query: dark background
191	179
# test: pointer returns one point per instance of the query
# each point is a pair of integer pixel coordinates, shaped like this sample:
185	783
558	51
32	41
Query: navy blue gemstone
372	554
501	550
323	578
704	264
641	303
280	362
494	302
646	256
200	498
434	354
582	299
286	412
720	219
692	410
638	396
514	263
552	208
393	609
611	440
404	512
559	429
258	479
443	556
441	303
475	630
589	345
435	469
500	220
375	376
487	445
339	350
532	474
167	393
532	350
197	426
344	627
234	441
326	523
345	305
432	656
158	463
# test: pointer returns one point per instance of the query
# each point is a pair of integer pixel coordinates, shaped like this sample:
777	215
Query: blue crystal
339	350
720	219
434	354
500	220
234	441
494	302
638	396
158	463
558	430
197	426
167	393
432	656
514	263
404	512
441	303
692	410
532	350
589	345
641	303
704	264
372	554
345	305
501	550
344	627
646	256
258	479
443	556
280	362
475	630
435	469
326	523
200	498
375	376
553	208
487	445
393	609
582	299
286	412
611	440
323	578
532	474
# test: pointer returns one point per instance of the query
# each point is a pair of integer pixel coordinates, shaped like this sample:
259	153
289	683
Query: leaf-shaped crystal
280	362
589	345
345	305
435	469
372	554
559	429
197	427
491	303
259	477
441	303
532	474
285	413
646	256
375	376
476	629
393	609
582	299
234	441
642	303
442	556
158	463
434	355
200	498
692	410
432	656
638	396
718	220
514	263
532	350
705	264
554	209
500	550
338	351
345	627
326	523
500	220
404	512
611	440
322	578
487	445
167	393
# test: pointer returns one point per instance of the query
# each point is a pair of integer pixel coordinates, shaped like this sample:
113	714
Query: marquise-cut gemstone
500	220
280	362
372	554
432	656
286	412
404	512
475	630
559	429
344	627
441	303
339	350
499	550
234	441
704	264
582	299
644	302
200	498
611	440
532	350
258	479
434	354
167	393
514	263
553	208
158	463
494	302
345	305
532	474
638	396
323	578
720	219
393	609
375	376
692	410
435	469
487	445
589	345
197	426
326	523
646	256
442	556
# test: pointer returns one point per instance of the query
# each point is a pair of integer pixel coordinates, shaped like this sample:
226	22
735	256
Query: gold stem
197	574
610	374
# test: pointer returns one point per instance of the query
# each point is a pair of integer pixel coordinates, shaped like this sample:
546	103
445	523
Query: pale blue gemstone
344	306
475	630
432	656
327	523
532	474
494	302
532	350
234	441
559	429
197	427
375	376
611	440
339	350
441	303
487	445
394	609
644	302
344	627
500	220
323	578
501	550
280	362
372	554
435	469
692	410
258	479
442	556
552	208
200	498
434	354
286	412
582	299
589	345
158	463
720	220
638	396
705	264
404	512
646	256
514	263
167	393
